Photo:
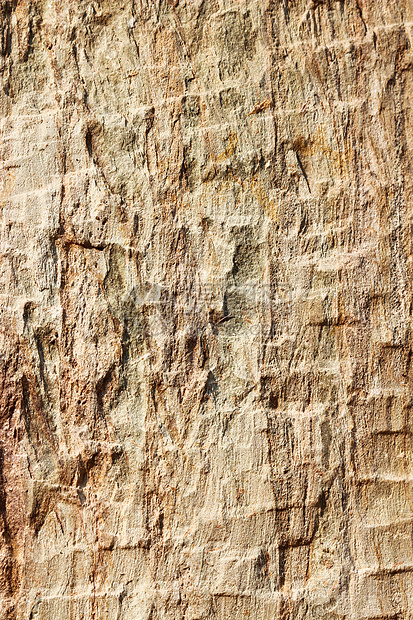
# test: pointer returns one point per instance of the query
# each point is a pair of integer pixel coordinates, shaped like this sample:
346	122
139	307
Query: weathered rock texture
206	297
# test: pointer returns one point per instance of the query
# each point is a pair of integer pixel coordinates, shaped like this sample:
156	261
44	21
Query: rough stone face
206	297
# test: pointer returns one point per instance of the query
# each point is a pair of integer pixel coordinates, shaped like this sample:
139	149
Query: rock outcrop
206	300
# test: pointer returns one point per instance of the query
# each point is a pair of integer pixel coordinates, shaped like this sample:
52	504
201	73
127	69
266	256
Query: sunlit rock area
206	233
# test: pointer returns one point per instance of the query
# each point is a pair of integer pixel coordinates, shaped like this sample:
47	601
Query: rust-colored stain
231	147
265	202
7	188
317	145
260	107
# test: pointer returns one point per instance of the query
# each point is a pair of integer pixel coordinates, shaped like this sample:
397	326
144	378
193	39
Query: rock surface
206	298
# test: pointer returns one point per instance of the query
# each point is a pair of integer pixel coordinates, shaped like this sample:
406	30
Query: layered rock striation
206	298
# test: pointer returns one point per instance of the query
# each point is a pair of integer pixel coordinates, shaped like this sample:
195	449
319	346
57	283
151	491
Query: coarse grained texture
205	300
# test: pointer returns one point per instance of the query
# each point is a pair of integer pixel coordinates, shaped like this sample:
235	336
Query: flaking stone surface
205	309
